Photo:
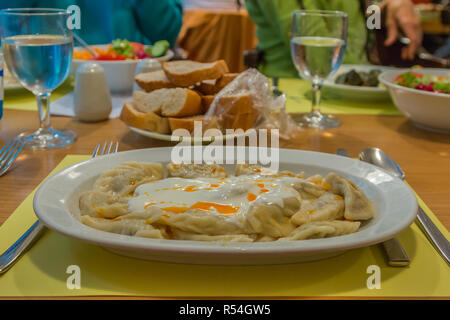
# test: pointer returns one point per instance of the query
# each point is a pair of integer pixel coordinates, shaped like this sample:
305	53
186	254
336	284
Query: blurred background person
217	29
273	20
435	19
212	4
144	21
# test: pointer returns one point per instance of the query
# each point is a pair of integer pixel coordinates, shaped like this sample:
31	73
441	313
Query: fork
13	253
9	153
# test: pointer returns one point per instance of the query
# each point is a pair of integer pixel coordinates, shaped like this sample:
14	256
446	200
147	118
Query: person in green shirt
144	21
273	19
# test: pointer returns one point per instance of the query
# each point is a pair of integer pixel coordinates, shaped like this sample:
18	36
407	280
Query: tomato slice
416	74
109	57
137	46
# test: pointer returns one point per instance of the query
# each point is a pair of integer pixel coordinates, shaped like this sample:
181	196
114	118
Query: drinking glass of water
318	42
37	48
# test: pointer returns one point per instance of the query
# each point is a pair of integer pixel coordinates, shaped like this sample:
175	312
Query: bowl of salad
422	95
119	59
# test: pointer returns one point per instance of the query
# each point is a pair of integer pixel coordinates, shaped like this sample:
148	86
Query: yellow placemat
22	99
298	93
42	270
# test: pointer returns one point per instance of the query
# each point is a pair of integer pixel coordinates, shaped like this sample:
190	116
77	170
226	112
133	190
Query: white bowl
120	73
425	109
56	205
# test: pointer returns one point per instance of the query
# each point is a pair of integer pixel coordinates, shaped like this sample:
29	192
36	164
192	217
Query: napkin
298	94
64	106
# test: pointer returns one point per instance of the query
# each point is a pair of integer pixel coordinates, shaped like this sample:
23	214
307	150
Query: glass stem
43	102
316	94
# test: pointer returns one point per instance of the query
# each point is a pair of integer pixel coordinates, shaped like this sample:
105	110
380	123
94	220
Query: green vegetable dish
122	49
359	78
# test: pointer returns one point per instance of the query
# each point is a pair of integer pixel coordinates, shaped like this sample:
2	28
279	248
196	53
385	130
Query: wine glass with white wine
37	47
318	42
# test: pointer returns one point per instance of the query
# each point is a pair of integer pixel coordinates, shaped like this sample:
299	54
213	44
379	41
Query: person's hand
400	14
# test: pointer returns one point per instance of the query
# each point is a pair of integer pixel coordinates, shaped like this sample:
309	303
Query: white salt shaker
146	65
92	99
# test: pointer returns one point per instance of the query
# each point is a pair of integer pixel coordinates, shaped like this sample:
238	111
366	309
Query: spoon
379	158
83	43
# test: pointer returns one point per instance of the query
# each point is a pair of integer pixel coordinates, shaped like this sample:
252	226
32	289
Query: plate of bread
179	94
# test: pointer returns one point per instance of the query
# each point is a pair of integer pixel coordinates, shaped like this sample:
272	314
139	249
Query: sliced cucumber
159	48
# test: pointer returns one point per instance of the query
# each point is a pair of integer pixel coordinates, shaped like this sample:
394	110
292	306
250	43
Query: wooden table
424	156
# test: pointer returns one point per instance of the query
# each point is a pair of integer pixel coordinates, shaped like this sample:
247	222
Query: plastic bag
248	102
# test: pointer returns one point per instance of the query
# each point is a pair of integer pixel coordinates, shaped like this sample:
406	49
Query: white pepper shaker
92	99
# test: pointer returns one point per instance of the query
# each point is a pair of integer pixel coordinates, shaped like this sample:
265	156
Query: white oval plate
345	91
56	205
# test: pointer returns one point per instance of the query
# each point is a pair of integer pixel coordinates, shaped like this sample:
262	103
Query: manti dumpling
246	169
312	187
194	221
272	220
204	203
357	205
196	171
182	235
327	207
131	227
102	204
108	199
125	178
323	229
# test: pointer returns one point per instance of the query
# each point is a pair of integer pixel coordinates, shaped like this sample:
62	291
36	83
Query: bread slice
206	102
212	87
235	104
185	73
226	79
144	120
184	123
180	102
207	87
145	102
174	102
237	111
243	121
154	80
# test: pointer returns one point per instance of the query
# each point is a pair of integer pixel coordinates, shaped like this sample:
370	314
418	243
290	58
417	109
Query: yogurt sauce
229	197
